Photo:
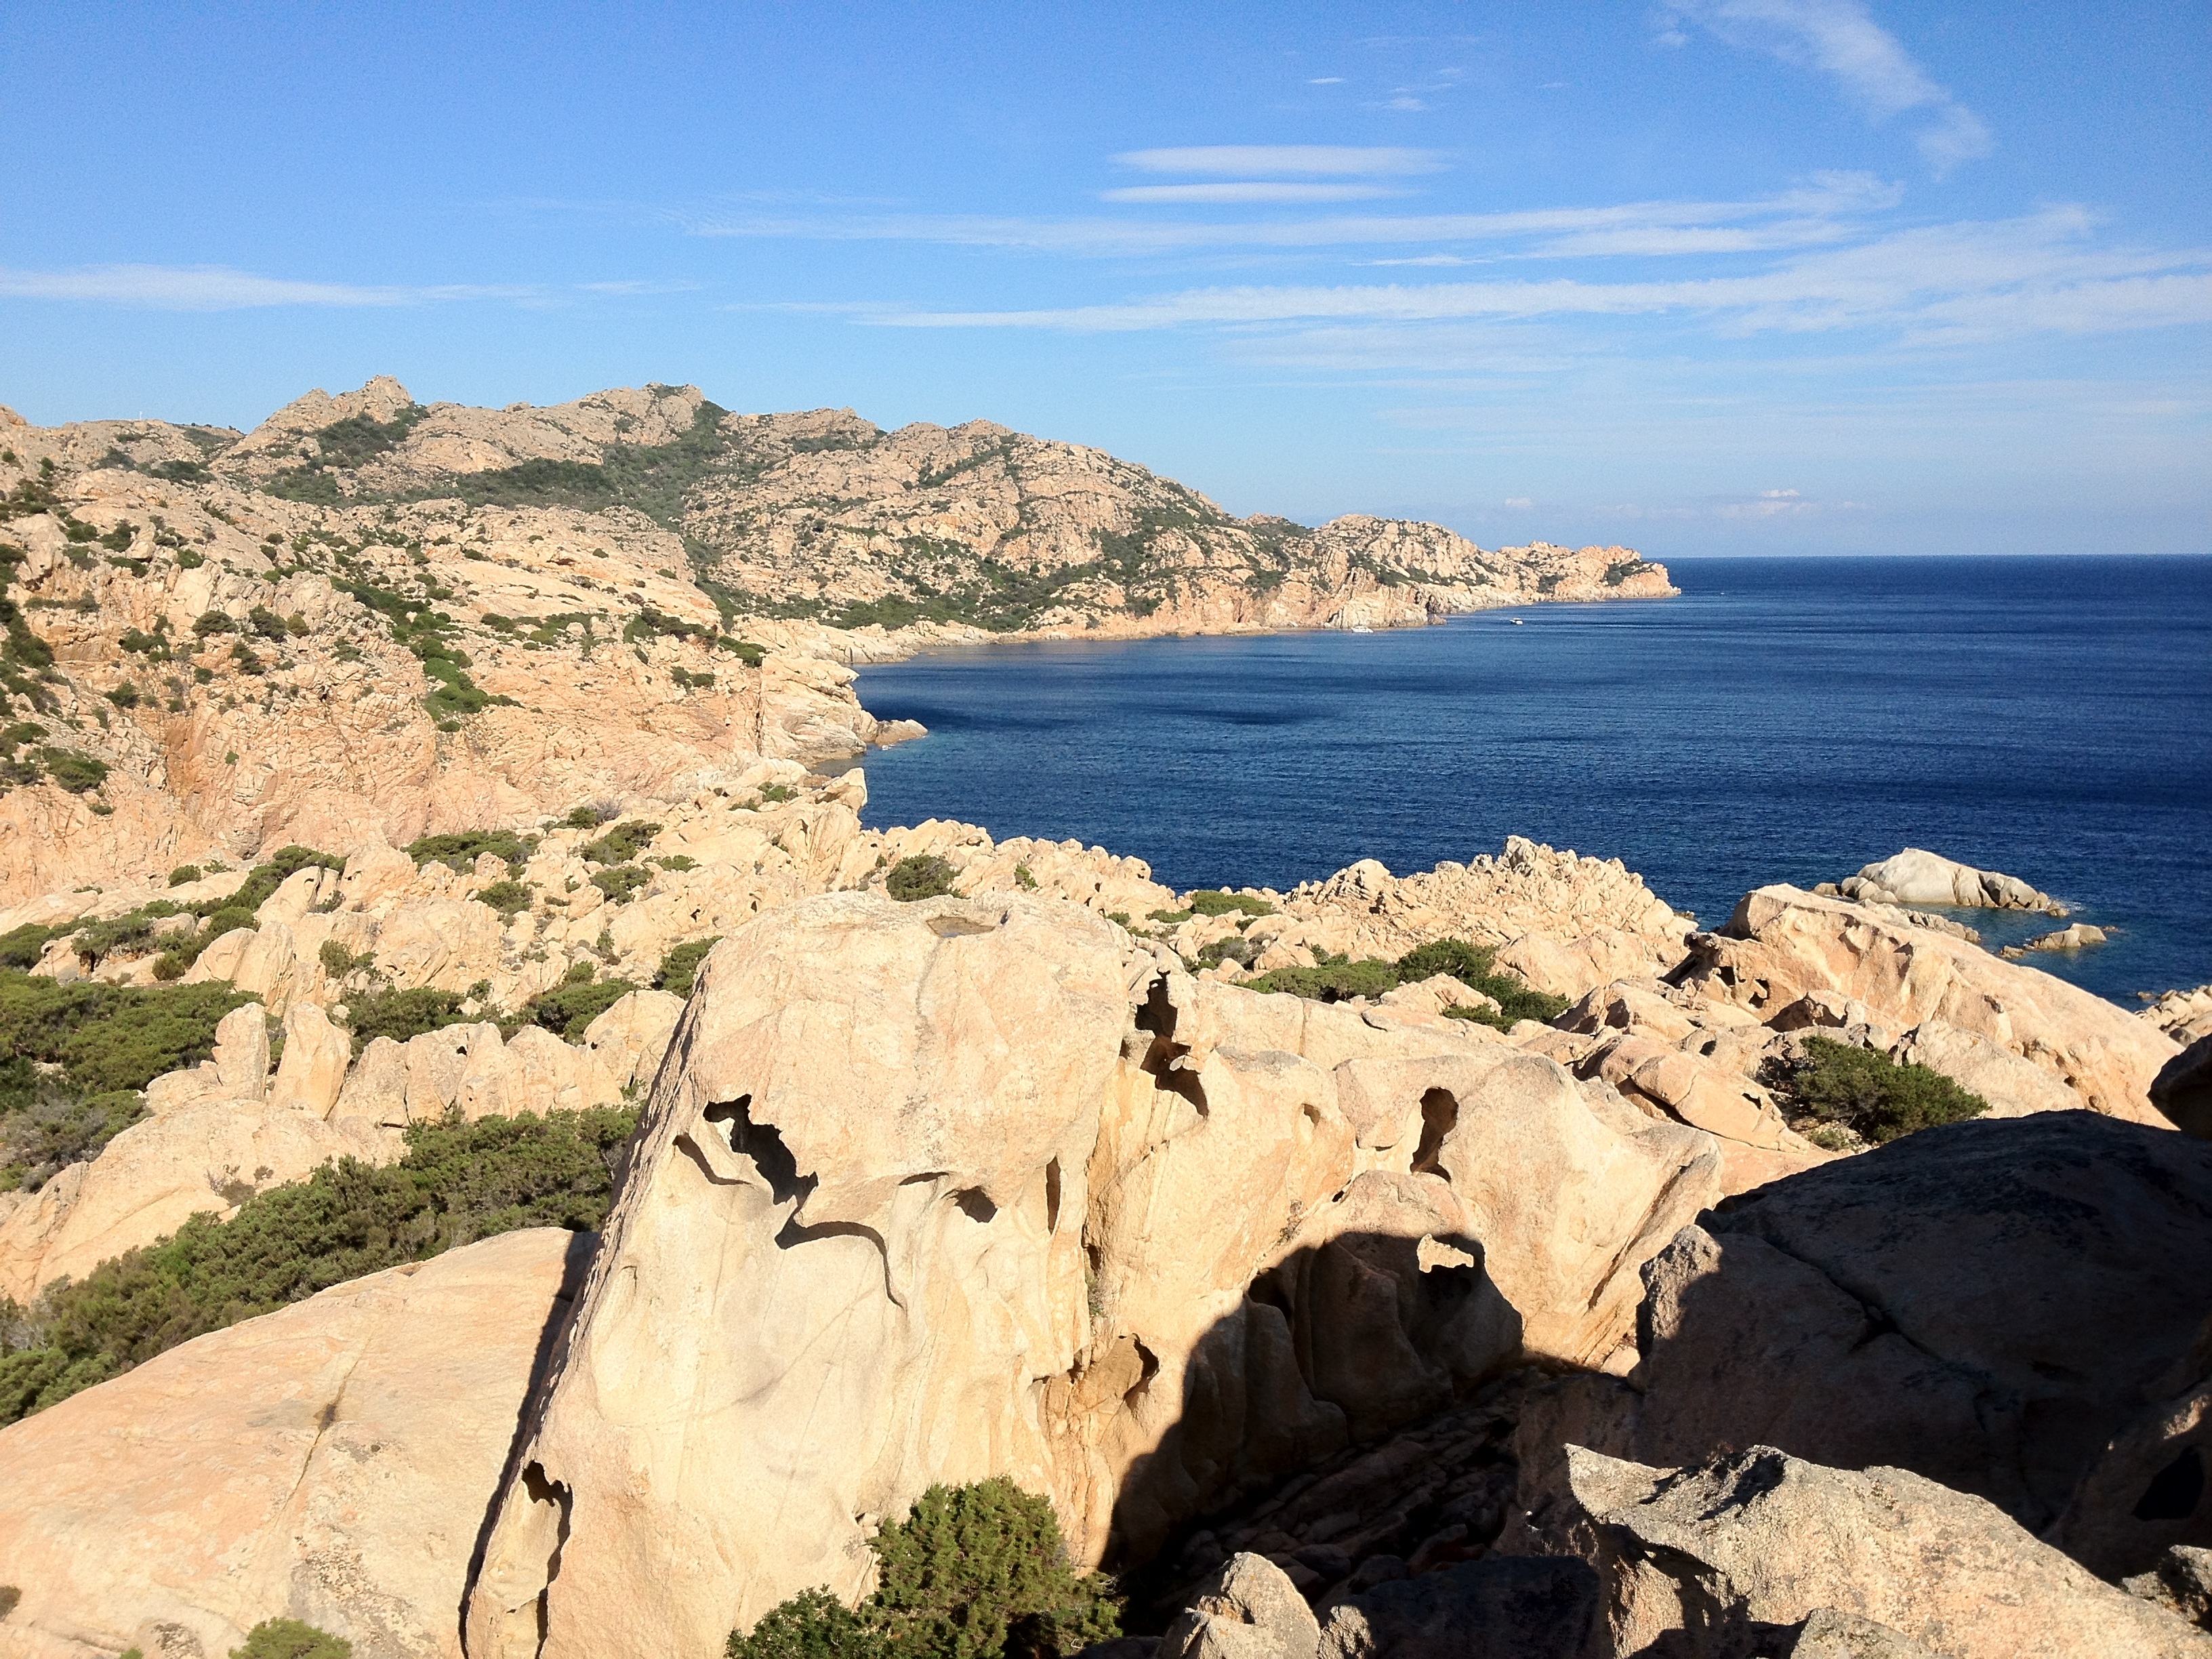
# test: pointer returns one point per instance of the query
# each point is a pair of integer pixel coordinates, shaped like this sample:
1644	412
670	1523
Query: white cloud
1982	281
216	287
1350	161
1519	502
1247	193
1325	81
1841	39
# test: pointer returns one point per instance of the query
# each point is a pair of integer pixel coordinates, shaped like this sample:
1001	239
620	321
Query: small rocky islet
499	1160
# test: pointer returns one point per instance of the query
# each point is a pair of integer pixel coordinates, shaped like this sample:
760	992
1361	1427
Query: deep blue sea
1784	720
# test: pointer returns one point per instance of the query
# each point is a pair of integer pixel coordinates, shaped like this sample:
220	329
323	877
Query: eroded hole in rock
546	1527
761	1143
975	1204
2175	1491
1439	1117
1052	1196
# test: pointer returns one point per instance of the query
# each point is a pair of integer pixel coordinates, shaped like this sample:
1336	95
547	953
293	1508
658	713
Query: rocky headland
505	1162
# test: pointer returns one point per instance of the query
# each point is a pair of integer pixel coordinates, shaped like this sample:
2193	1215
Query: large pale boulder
629	1038
848	1247
940	1191
1248	1610
156	1175
1783	947
331	1462
1711	1562
313	1071
2019	1309
1915	876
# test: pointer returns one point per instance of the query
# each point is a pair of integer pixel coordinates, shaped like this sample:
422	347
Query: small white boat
1516	621
1361	627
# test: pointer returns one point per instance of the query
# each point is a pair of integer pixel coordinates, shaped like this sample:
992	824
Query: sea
1784	719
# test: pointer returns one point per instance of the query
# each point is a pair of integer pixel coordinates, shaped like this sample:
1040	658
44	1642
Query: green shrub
679	969
460	852
583	817
340	962
267	623
400	1015
124	695
131	931
1867	1092
1212	902
621	883
184	873
1336	981
209	623
287	1639
922	875
620	844
10	1595
570	1006
22	947
264	879
59	1129
77	772
507	896
459	1183
974	1572
1025	878
775	795
105	1037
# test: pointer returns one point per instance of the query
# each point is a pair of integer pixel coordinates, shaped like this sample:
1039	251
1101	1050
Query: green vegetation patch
507	897
619	882
620	845
570	1006
460	852
459	1183
1212	902
346	444
1837	1087
399	1015
679	969
428	634
287	1639
1337	979
922	875
653	478
974	1572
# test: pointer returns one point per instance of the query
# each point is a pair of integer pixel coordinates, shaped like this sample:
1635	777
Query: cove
1784	720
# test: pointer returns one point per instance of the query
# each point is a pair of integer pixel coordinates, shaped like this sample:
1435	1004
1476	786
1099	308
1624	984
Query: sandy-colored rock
1248	1610
156	1175
1783	945
331	1462
2185	1015
1917	876
629	1038
1700	1562
313	1071
242	1053
2181	1582
2016	1308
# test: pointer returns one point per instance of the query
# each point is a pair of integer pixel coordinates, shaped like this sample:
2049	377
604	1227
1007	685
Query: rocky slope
437	618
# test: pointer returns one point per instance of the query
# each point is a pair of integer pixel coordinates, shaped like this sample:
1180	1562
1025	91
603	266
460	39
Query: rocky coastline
496	1159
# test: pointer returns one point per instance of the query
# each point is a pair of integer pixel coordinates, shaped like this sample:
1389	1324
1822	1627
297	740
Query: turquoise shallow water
1782	721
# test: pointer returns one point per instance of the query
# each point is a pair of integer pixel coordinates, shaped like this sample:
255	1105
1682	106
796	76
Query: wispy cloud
1939	284
1277	161
1826	196
1254	191
216	288
1841	39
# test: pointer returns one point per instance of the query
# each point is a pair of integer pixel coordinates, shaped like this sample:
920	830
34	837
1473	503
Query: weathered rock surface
2076	936
331	1462
1509	1608
1918	877
1964	1010
1248	1610
2185	1015
2019	1309
2181	1582
993	1196
1723	1559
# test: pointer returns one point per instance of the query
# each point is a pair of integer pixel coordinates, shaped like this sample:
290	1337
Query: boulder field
1339	1329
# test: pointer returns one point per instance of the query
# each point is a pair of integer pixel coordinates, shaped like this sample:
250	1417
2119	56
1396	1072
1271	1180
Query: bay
1784	720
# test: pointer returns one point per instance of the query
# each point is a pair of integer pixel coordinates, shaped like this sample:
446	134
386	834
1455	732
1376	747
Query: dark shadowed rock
1506	1608
2019	1309
2183	1089
2181	1582
1830	1633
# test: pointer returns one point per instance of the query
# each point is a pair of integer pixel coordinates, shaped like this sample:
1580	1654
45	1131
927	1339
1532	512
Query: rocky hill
441	618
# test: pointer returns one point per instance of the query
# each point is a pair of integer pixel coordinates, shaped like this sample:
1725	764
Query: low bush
400	1015
570	1006
22	947
621	883
459	1181
620	844
74	770
105	1037
1867	1092
1336	979
679	969
974	1572
507	896
1212	902
923	876
461	851
183	874
287	1639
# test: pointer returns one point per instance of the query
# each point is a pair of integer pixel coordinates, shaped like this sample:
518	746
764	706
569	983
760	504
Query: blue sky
1723	275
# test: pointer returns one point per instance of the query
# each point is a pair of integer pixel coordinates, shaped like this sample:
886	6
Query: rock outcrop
2183	1089
1918	877
330	1463
1725	1559
988	1193
2018	1309
2022	1040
